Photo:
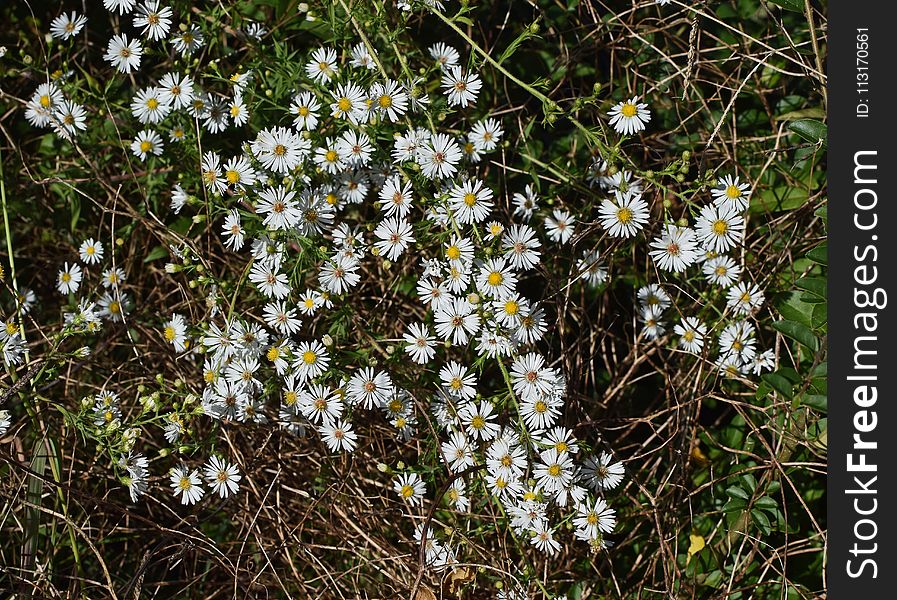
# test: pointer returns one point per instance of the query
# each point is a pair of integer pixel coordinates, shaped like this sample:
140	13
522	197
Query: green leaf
806	113
156	253
792	5
816	401
810	129
798	332
736	492
781	198
779	384
762	521
735	504
766	503
819	254
816	285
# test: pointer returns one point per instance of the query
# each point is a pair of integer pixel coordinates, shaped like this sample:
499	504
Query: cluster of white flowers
361	183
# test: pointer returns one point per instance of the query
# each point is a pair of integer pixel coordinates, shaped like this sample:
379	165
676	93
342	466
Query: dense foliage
417	299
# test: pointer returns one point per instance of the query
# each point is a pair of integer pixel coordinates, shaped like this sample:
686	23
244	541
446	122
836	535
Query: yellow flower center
273	353
232	176
629	110
344	104
453	252
541	406
624	215
470	199
169	334
184	483
45	101
554	470
495	278
478	422
511	307
152	103
66	277
385	101
720	227
303	111
146	146
331	156
290	398
733	192
309	357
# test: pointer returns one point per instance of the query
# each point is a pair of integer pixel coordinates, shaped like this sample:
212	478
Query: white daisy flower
280	210
560	226
305	109
526	203
146	143
149	107
67	26
362	58
653	296
496	280
479	420
445	56
460	88
438	156
470	202
601	473
186	484
486	134
188	42
630	116
520	243
348	102
69	118
691	334
91	252
322	66
420	343
154	22
339	436
722	270
592	268
122	6
68	279
745	298
389	99
410	488
719	228
222	476
394	236
731	192
675	249
624	217
458	380
122	54
280	149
